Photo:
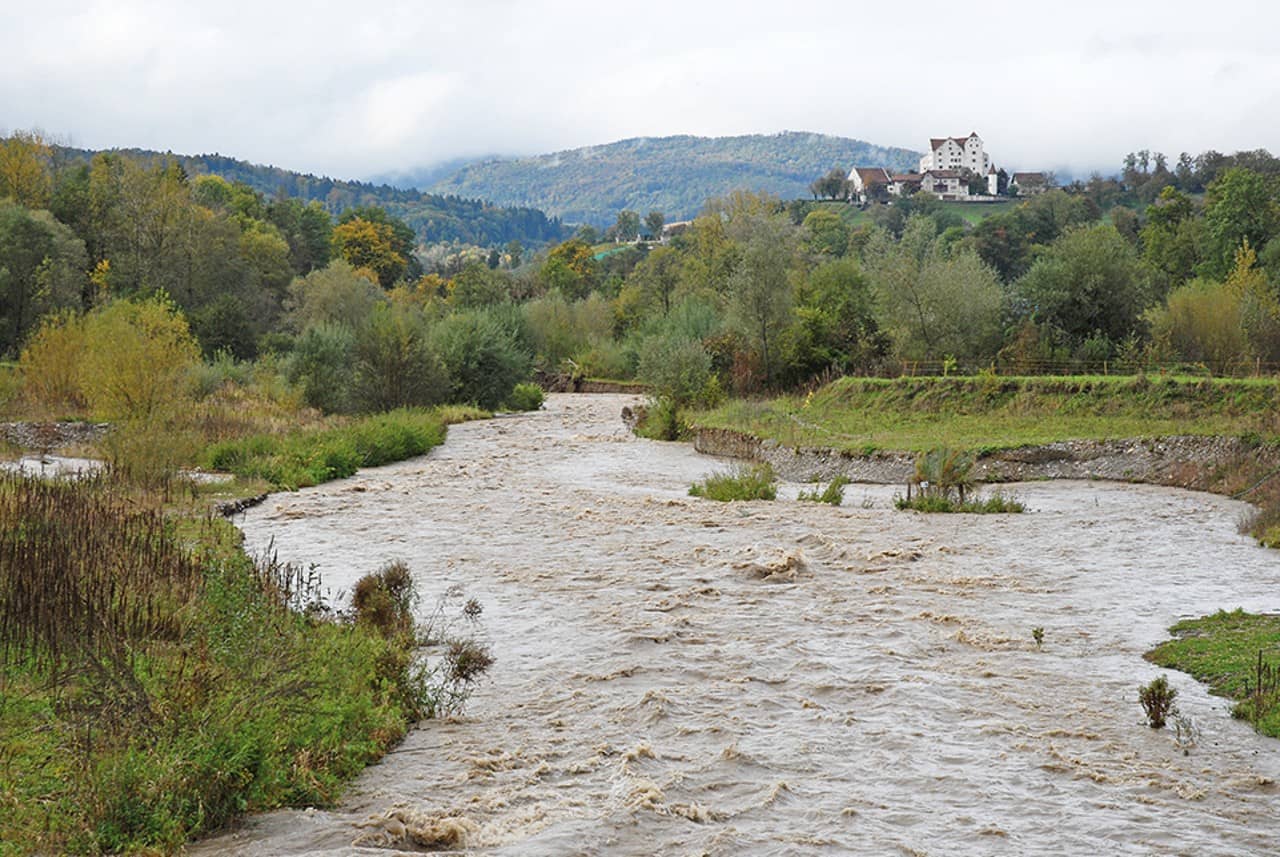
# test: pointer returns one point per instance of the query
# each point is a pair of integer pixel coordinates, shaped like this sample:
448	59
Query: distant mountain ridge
675	175
436	218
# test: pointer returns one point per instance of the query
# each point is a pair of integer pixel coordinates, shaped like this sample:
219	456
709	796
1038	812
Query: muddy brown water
678	676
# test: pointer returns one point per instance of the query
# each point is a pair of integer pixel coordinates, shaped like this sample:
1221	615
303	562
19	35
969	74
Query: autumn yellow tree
138	360
24	169
1259	307
571	269
365	244
50	365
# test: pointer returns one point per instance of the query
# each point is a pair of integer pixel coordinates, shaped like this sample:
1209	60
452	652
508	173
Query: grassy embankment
155	681
971	212
990	413
1222	651
302	458
981	414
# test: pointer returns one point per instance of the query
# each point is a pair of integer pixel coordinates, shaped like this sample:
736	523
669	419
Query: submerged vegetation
997	503
944	482
744	482
1156	699
832	495
1237	655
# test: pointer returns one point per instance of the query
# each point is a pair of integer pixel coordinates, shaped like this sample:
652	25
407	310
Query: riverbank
991	413
1187	461
1234	653
1209	435
136	713
675	675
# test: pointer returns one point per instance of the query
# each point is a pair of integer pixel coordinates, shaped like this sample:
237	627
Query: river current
679	676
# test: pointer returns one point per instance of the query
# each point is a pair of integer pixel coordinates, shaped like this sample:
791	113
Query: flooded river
678	676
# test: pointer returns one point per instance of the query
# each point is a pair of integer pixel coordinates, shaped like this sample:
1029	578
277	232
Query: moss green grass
1222	651
311	456
986	413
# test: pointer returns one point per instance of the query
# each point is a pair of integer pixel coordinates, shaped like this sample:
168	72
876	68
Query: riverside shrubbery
525	397
174	683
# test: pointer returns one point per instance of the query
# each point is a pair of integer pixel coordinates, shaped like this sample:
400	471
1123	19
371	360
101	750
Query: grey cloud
356	89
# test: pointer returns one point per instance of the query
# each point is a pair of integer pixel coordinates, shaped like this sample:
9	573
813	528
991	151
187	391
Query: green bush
483	358
395	366
385	600
1157	701
660	420
675	369
746	482
832	495
525	397
997	503
322	364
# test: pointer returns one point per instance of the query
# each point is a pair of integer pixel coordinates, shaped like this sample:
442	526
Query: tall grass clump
745	482
943	481
86	576
832	495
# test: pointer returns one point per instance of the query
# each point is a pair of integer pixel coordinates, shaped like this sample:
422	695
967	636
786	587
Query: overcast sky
351	89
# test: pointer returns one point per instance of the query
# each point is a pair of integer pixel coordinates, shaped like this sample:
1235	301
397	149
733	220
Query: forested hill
436	218
674	175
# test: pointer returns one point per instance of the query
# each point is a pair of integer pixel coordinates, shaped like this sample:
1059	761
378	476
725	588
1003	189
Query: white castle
957	153
945	171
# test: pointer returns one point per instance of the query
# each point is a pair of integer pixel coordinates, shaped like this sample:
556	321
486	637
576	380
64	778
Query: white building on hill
955	168
957	153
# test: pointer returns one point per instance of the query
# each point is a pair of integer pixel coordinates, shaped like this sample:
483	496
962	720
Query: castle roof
872	175
936	143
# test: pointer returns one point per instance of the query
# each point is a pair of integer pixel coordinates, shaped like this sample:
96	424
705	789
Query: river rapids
684	677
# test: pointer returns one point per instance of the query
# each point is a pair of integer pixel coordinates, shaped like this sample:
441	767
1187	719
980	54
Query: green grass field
987	413
1222	651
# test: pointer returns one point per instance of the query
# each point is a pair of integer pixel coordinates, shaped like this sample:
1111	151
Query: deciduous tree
1089	281
25	174
43	267
365	244
760	295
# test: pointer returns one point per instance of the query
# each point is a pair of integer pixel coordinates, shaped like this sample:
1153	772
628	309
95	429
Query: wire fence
934	368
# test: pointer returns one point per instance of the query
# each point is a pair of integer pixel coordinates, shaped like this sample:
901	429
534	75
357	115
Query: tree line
436	218
754	294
